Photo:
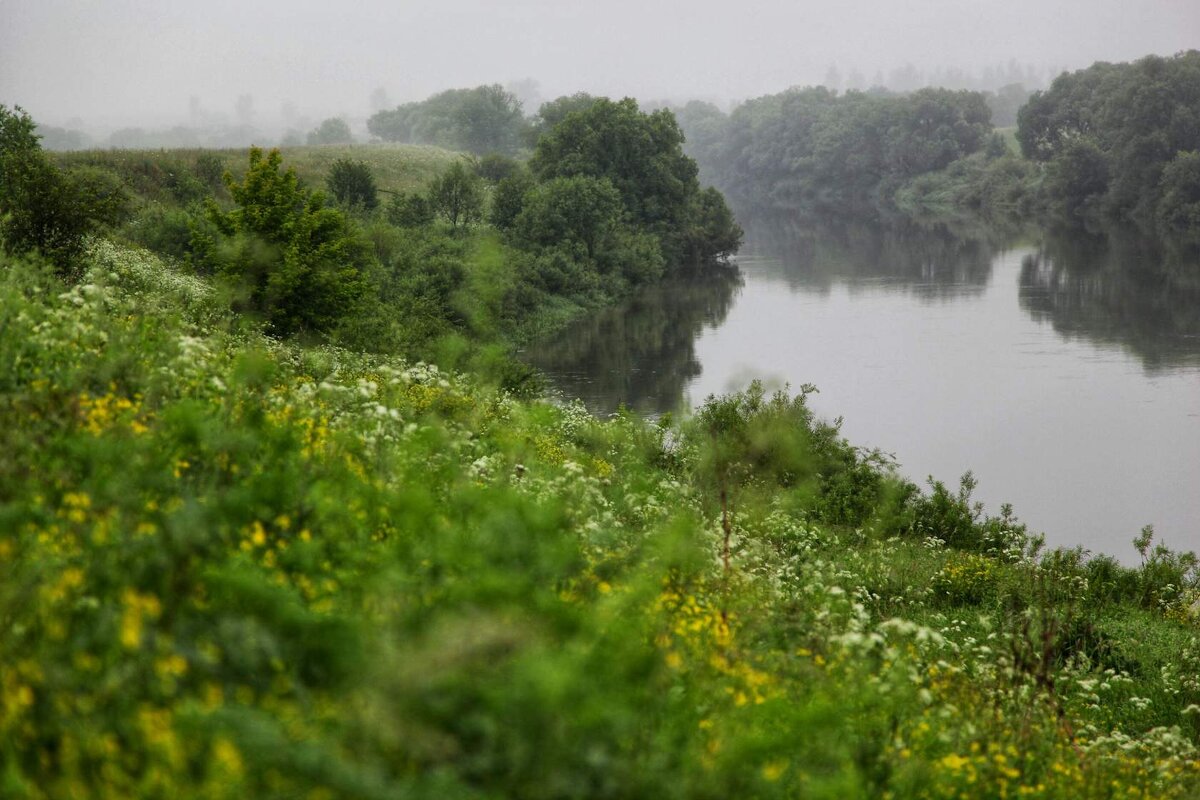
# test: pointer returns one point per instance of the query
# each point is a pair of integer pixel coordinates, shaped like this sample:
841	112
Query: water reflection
930	261
642	353
1118	288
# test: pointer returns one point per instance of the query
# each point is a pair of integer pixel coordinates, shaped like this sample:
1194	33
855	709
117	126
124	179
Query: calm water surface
1064	370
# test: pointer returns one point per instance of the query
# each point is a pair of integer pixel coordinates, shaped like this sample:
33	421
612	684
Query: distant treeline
811	149
1113	140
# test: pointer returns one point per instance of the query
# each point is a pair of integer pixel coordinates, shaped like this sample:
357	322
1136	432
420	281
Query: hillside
235	567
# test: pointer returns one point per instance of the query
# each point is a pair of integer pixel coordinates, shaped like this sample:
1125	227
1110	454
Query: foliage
457	197
333	130
555	111
1179	207
570	212
1078	177
234	566
642	156
495	167
43	208
508	199
1133	119
410	210
485	119
297	262
352	184
811	149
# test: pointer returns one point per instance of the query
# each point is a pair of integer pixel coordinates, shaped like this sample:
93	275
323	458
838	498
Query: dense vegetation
486	119
253	544
1121	139
463	254
1114	141
236	566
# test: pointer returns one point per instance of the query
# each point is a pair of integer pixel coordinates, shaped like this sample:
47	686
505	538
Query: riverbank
234	565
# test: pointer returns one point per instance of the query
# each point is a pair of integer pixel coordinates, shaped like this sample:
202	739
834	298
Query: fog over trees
234	73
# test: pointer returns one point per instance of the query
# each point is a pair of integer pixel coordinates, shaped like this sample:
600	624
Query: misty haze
562	400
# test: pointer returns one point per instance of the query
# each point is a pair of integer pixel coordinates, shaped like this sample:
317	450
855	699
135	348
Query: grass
396	167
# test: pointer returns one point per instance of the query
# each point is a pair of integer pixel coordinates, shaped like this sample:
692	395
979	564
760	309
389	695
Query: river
1063	369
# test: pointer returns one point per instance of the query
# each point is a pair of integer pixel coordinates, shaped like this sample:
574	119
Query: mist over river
1062	368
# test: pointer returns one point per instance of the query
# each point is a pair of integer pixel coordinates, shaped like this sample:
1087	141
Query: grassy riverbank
233	566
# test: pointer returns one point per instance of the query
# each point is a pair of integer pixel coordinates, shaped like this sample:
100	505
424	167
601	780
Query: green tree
641	154
332	131
485	119
508	199
44	208
299	263
1078	176
352	184
555	111
713	234
457	196
410	211
1179	207
579	210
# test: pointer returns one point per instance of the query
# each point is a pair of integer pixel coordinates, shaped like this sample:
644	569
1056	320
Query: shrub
332	131
410	211
457	197
298	263
45	209
352	184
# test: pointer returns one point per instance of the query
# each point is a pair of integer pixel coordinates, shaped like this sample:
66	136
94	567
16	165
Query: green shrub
297	263
352	184
45	209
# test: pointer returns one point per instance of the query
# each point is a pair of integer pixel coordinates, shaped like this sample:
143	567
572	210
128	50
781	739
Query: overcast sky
110	62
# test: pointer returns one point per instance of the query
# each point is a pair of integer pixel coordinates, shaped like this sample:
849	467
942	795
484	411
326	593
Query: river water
1063	369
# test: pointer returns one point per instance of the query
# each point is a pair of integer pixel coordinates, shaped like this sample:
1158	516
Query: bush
332	131
457	197
495	167
508	199
299	264
45	209
410	211
352	184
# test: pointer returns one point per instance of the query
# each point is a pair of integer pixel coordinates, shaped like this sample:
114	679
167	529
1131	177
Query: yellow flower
773	770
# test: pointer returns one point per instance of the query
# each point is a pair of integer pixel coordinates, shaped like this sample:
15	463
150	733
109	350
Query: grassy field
396	167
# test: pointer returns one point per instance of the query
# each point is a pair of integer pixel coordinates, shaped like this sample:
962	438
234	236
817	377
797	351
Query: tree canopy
1133	120
299	262
481	120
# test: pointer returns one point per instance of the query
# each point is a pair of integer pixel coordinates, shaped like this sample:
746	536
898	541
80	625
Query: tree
714	234
410	211
1078	176
579	210
1179	207
299	263
332	131
457	196
481	120
555	111
352	184
43	208
509	199
641	154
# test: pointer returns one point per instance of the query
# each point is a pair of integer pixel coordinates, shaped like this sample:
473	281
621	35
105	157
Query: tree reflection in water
642	353
1118	288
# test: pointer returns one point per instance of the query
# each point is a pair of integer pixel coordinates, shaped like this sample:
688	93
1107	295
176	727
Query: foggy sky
113	62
